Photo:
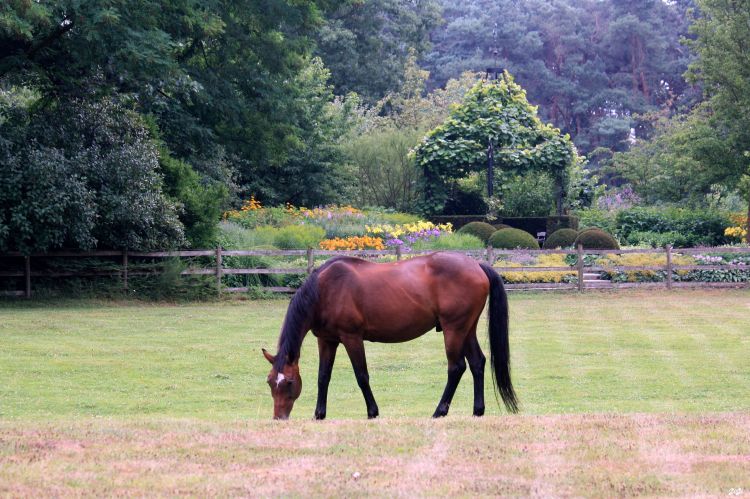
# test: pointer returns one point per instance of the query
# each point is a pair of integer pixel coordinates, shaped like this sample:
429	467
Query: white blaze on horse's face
279	378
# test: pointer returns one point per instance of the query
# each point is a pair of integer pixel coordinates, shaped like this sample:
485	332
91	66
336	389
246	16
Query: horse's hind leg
327	354
477	361
454	350
356	350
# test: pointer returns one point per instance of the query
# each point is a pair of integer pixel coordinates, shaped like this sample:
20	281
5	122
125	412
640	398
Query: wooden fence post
490	256
579	264
398	252
218	270
27	275
668	249
310	261
125	271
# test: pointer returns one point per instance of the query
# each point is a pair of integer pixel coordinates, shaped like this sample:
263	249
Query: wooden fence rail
490	255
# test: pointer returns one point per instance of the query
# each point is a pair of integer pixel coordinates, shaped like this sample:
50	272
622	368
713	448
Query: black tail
498	331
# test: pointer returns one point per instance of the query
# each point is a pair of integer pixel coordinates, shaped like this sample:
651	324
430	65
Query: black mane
296	322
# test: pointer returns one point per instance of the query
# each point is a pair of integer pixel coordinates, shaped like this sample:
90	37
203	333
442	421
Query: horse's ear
270	358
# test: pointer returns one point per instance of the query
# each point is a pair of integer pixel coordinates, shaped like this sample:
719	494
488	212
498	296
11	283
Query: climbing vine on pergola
494	112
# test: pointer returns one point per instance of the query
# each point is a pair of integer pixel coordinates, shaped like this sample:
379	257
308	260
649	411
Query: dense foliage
493	113
82	175
591	65
137	123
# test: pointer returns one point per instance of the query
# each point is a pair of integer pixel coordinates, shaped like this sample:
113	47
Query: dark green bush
596	239
562	238
512	239
698	227
482	230
501	226
81	175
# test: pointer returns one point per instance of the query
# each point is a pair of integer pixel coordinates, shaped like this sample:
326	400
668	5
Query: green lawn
623	394
684	351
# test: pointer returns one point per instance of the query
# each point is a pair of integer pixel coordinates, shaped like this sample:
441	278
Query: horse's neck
294	346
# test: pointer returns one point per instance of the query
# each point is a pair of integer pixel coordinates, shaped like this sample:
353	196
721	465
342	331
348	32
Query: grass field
640	393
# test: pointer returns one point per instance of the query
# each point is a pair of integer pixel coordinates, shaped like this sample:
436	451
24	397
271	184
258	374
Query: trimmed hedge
482	230
562	238
512	239
532	225
596	239
564	222
458	221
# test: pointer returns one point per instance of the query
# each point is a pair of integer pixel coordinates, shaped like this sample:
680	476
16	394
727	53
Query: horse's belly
397	325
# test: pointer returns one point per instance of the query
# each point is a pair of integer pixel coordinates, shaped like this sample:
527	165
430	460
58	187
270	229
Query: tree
590	65
379	145
722	37
225	83
366	44
82	175
493	113
683	162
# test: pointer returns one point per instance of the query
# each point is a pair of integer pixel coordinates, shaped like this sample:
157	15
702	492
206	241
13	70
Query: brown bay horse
348	301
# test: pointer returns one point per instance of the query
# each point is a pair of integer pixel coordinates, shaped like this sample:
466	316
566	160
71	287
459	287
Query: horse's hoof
479	411
320	415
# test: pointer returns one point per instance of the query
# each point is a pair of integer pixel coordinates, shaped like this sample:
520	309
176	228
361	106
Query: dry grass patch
568	455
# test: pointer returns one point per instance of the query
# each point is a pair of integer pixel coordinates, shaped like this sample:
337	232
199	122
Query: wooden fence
586	276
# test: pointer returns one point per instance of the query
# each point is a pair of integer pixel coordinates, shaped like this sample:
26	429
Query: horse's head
286	385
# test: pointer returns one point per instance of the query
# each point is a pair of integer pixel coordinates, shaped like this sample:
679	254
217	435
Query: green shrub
596	239
501	226
602	219
450	241
481	230
298	237
232	235
512	239
698	227
562	238
658	240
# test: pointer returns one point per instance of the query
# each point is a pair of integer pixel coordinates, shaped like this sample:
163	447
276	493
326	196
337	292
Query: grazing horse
348	300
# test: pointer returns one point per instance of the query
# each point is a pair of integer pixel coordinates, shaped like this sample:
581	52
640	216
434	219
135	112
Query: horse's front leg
327	354
356	350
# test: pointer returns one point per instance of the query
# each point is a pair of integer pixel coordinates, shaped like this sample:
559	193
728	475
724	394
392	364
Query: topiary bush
512	239
596	239
562	238
501	226
482	230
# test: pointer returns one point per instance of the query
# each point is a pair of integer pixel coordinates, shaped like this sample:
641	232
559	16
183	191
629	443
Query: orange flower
352	243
